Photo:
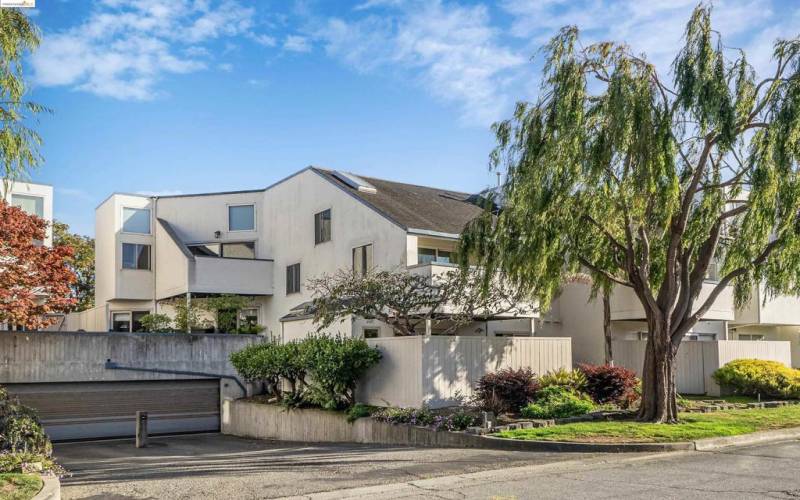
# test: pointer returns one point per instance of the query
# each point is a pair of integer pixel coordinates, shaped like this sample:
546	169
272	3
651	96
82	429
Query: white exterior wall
289	209
39	190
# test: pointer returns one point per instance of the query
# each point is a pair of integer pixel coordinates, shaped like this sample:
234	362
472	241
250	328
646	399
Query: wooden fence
438	371
697	360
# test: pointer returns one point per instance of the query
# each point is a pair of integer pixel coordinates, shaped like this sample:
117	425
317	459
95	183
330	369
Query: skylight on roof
355	182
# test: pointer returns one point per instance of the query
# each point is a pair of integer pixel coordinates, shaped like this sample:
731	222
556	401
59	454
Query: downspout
153	256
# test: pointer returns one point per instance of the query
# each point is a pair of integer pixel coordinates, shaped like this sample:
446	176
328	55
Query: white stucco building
265	244
35	199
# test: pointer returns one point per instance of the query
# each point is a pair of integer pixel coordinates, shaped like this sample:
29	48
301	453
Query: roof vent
355	182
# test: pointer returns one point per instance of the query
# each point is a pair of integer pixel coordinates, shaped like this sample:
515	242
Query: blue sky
182	96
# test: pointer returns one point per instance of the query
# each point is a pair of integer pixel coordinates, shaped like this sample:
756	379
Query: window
426	255
371	333
206	250
121	322
322	227
750	336
293	279
135	256
241	218
434	255
244	250
248	317
362	260
136	220
32	205
136	322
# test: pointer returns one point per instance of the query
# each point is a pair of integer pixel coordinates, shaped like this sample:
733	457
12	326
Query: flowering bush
507	390
610	384
424	417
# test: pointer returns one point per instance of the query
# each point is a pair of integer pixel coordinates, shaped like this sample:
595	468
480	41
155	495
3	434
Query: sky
185	96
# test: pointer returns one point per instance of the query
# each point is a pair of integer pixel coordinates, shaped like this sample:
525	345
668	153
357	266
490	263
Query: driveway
217	466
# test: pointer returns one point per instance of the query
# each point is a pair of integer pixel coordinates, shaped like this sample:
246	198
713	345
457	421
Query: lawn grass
15	486
692	426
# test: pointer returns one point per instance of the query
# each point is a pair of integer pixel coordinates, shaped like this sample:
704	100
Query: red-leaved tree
34	279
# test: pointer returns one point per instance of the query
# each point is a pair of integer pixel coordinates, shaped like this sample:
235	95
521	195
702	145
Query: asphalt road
765	471
224	467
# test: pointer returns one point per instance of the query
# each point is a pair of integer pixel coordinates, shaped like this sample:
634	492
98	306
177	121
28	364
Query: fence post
141	429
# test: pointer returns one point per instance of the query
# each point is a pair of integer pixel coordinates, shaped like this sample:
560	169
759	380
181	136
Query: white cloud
125	47
226	67
76	193
296	43
453	51
265	40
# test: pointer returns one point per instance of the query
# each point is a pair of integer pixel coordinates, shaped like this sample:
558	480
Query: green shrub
156	323
318	370
574	379
458	421
506	390
334	366
359	410
20	429
752	377
23	462
558	402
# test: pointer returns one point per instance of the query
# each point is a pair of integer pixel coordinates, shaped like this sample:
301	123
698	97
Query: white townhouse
265	244
35	199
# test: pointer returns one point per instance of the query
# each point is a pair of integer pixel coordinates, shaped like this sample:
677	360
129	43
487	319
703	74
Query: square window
32	205
136	322
322	227
136	220
371	333
293	279
121	322
241	218
135	256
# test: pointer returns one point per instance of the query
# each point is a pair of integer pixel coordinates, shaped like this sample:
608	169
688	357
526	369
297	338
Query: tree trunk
658	377
609	354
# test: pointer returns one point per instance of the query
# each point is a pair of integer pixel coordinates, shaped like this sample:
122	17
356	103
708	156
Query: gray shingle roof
415	207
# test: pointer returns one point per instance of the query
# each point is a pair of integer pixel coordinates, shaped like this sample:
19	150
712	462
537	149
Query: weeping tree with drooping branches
645	181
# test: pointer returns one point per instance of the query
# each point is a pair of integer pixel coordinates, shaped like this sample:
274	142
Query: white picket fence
698	360
437	371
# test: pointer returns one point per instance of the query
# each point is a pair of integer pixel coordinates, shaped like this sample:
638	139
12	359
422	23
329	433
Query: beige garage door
83	410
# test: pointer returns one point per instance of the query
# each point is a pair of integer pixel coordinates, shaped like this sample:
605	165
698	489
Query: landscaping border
266	421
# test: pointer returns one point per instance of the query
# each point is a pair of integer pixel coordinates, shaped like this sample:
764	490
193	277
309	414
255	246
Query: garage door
84	410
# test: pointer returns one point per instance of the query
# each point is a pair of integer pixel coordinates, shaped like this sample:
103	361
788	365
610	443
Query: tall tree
645	183
81	262
19	144
35	280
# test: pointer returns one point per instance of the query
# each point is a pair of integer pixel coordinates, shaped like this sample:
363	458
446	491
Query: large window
135	256
136	220
371	333
362	260
241	218
127	321
430	255
293	278
322	227
32	205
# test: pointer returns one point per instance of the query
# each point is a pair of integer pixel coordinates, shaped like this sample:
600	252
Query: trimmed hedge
752	377
319	370
558	402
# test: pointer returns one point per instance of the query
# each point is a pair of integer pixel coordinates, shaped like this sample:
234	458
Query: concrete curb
497	443
710	444
51	490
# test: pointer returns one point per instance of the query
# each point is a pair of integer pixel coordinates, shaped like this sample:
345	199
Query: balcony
625	304
435	270
780	310
178	271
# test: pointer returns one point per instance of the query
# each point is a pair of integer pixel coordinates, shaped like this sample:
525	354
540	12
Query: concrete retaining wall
30	357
